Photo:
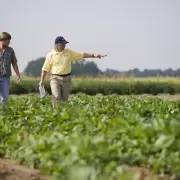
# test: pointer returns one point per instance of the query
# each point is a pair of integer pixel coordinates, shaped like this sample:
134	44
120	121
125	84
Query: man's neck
58	50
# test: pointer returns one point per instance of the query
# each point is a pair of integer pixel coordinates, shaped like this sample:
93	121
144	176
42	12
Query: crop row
103	86
92	137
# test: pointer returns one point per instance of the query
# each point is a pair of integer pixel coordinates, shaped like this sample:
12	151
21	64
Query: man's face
5	42
60	47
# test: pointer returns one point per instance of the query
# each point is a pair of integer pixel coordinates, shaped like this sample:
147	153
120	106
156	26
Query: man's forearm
87	55
16	69
43	75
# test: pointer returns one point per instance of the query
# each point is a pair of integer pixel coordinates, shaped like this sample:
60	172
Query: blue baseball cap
60	40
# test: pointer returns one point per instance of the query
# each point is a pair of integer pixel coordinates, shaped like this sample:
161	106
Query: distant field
106	85
156	79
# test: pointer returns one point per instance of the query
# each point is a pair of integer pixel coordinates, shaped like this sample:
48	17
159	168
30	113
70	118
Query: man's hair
5	35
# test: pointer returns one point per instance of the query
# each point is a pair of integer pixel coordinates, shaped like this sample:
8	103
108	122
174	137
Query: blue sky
133	33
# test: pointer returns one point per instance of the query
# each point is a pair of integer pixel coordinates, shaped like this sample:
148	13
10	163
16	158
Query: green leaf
164	141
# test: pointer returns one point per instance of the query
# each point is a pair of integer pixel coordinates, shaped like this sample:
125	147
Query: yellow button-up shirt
61	62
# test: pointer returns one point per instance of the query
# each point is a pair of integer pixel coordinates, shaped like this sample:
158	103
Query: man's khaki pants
60	88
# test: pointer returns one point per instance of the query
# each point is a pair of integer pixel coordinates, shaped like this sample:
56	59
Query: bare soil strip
10	170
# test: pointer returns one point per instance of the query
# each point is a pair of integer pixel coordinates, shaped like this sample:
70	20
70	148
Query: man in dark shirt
7	58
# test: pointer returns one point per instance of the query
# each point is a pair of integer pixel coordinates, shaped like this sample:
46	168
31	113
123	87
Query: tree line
90	68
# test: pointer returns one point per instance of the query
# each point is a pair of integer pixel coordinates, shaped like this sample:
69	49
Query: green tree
34	67
79	68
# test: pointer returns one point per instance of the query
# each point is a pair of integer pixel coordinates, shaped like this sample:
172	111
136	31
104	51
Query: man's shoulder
72	51
10	49
67	50
50	54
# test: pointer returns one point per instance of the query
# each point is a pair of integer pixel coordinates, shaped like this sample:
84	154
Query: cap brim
63	43
66	42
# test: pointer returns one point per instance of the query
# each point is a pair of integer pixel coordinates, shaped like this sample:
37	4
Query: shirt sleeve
14	59
75	56
47	64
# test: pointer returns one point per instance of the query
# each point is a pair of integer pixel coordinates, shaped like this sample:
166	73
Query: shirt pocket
7	58
66	58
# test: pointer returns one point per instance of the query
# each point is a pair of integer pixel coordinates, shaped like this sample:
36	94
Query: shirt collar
56	52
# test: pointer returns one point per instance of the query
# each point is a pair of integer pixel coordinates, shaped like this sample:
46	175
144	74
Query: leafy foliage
92	137
34	67
92	86
79	68
84	68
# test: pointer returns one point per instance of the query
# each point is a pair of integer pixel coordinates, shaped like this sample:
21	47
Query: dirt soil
145	174
170	97
167	97
10	170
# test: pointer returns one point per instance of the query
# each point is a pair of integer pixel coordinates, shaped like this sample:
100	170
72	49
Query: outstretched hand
99	56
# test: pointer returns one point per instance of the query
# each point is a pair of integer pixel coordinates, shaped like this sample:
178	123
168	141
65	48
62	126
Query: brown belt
62	75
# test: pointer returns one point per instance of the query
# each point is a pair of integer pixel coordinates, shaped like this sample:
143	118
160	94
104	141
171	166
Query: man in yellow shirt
58	63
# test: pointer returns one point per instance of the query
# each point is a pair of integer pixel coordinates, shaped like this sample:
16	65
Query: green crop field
92	137
114	79
106	86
